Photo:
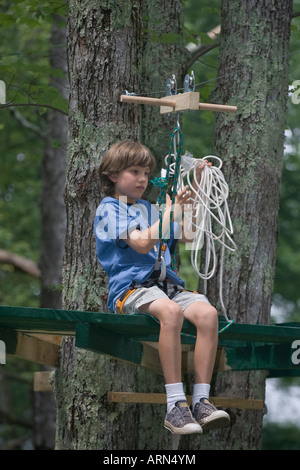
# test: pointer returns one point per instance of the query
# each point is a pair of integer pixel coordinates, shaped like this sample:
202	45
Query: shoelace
185	411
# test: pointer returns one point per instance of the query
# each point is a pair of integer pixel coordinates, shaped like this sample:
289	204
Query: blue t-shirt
114	220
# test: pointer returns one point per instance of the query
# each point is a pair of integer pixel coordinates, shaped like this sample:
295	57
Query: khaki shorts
144	295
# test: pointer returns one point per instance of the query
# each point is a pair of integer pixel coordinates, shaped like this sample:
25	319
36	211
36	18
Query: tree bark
253	71
106	51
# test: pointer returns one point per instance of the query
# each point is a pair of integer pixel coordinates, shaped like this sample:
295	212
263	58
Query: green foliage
197	126
288	253
20	187
25	68
24	63
186	272
26	71
287	277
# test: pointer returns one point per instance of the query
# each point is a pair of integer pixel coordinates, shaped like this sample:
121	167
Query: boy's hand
186	195
182	198
199	170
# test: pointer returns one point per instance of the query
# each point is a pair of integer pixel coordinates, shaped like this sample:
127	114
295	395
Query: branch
25	123
200	51
10	105
20	262
294	15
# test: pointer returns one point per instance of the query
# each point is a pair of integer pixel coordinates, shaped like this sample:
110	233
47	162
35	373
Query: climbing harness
152	281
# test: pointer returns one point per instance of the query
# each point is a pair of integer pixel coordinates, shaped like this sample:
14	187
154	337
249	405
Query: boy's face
131	182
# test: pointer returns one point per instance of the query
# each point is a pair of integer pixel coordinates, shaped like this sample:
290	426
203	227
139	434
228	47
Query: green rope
166	185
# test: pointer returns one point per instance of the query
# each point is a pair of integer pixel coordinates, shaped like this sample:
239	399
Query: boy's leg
178	419
170	316
205	319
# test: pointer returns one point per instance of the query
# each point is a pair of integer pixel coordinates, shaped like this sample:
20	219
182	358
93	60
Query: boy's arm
143	241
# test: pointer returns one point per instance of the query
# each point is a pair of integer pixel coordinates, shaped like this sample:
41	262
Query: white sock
200	391
174	392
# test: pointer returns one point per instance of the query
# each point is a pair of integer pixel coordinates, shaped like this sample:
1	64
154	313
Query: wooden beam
171	103
41	381
183	102
218	108
178	103
150	359
37	350
160	398
53	339
30	348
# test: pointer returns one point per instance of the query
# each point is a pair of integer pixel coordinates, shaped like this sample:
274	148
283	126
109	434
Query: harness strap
121	301
190	290
163	285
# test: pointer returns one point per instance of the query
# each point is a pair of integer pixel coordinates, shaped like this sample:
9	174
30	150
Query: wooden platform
35	334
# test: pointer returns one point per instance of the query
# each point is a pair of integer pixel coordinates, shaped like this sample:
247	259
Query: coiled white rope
209	212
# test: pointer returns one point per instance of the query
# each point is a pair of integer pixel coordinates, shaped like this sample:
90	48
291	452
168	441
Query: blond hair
121	156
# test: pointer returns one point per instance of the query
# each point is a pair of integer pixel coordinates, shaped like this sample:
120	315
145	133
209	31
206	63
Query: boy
127	230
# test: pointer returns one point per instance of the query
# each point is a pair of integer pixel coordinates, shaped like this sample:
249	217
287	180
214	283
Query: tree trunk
53	180
106	47
253	72
53	225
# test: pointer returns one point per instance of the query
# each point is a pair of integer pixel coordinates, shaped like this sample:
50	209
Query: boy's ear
113	177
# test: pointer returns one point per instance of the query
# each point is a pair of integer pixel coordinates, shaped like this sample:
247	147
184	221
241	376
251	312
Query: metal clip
171	86
189	82
125	92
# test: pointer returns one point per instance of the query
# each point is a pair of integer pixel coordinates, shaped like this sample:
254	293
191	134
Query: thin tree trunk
53	180
53	225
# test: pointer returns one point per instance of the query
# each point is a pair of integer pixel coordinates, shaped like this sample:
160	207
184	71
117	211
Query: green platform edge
248	346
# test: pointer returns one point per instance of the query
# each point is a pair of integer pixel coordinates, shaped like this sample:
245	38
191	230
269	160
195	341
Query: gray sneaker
180	420
209	417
